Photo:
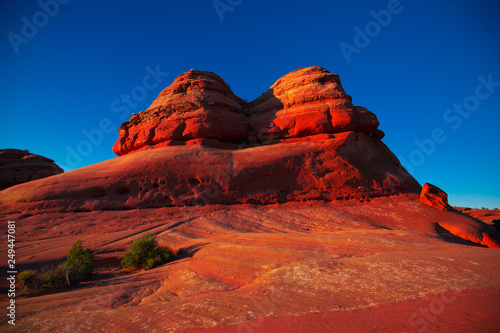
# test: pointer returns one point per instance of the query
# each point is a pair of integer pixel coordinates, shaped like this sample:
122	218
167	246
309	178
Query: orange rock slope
350	264
287	209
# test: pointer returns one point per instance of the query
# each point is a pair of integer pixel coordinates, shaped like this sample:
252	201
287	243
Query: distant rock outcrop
20	166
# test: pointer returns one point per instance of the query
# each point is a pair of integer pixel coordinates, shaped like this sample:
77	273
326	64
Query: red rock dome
308	101
197	105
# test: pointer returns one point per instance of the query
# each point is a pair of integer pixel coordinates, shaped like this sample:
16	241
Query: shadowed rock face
328	167
19	166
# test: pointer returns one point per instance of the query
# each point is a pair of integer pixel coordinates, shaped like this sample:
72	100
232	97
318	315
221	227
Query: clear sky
430	71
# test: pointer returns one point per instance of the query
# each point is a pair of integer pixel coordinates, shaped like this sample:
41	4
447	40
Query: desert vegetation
76	268
145	253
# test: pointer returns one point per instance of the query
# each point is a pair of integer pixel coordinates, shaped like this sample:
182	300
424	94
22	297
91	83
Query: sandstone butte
287	213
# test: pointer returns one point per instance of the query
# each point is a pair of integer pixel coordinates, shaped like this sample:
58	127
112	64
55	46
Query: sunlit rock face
435	197
197	105
306	102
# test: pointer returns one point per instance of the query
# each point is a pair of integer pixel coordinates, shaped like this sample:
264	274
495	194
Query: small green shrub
29	281
145	253
483	208
56	277
495	208
78	263
76	268
25	277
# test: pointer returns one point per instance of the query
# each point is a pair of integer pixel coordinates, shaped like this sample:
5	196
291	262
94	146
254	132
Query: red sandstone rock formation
20	166
316	146
296	211
433	196
303	140
197	105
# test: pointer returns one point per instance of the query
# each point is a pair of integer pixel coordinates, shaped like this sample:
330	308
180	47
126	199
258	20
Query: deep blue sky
64	78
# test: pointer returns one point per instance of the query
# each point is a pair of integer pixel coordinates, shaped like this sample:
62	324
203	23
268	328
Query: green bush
25	277
145	253
76	268
78	264
30	281
56	277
